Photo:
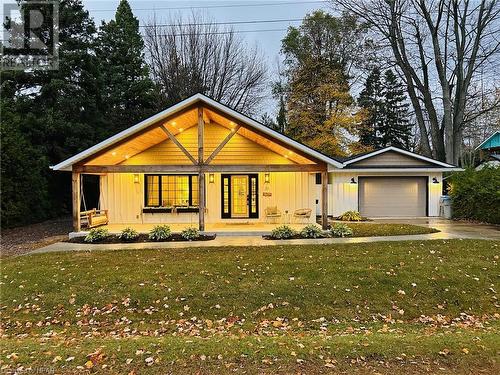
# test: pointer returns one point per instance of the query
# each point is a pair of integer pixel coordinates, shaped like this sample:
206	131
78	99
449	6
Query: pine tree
281	117
397	128
371	100
128	94
386	112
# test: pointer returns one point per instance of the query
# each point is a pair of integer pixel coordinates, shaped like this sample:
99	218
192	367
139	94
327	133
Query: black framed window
167	190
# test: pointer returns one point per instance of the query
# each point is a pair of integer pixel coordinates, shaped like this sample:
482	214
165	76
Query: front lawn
383	229
386	307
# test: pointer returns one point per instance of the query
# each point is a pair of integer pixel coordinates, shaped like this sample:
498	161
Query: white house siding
343	196
125	199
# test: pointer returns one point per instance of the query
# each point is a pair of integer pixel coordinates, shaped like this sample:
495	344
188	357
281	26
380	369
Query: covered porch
204	165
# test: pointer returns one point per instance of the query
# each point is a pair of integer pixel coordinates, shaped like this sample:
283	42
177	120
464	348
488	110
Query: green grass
380	229
269	309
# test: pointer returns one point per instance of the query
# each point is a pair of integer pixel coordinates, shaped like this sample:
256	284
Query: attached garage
389	182
393	196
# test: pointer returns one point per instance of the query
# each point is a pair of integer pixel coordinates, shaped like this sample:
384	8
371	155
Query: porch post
324	200
76	200
201	173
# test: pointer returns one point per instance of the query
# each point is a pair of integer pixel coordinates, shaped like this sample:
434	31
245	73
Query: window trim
160	200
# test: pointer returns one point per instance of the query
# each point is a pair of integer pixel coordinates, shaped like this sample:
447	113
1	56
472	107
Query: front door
239	196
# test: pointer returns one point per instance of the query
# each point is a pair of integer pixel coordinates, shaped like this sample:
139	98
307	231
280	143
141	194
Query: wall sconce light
266	178
353	181
136	178
211	178
435	180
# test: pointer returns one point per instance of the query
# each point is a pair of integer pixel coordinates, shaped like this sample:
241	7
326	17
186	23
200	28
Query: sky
268	41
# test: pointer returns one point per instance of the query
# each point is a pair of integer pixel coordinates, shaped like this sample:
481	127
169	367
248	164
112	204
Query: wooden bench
93	218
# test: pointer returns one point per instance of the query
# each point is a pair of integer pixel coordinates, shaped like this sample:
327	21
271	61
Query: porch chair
272	213
93	218
302	214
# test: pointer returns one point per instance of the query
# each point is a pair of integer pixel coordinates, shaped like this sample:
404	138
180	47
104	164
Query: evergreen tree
281	117
397	130
127	92
385	107
371	100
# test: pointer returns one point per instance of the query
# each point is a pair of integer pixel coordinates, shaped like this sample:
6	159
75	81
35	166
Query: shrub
128	234
160	233
341	230
190	234
476	195
311	231
282	232
96	235
350	216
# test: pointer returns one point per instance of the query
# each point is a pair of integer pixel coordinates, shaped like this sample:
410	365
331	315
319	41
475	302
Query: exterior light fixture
126	156
435	180
113	153
136	178
266	178
353	181
181	129
211	178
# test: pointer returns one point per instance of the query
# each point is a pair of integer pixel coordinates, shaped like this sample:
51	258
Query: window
171	191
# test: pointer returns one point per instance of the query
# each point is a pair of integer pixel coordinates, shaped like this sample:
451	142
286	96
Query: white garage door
393	196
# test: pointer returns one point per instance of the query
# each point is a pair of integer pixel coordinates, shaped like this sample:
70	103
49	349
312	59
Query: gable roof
67	164
356	158
490	142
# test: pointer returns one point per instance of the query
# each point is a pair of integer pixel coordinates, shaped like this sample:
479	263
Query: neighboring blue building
491	144
489	151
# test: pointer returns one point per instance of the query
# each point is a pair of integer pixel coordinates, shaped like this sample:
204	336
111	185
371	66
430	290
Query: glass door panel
239	196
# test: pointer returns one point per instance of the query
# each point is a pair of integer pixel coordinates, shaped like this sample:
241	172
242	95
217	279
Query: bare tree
198	55
440	46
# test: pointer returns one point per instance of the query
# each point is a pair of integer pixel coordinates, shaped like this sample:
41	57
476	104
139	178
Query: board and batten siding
391	158
124	198
343	196
239	150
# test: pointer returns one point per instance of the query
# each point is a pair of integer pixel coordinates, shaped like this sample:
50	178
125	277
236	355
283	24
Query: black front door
240	196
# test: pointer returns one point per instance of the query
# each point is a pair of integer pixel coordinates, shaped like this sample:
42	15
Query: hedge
476	195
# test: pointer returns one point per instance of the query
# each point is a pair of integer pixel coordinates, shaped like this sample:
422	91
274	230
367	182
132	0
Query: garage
393	196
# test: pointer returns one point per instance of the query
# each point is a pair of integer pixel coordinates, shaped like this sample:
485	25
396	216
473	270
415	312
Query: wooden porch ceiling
179	123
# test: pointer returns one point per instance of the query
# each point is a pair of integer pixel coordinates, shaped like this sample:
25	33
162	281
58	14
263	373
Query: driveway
455	229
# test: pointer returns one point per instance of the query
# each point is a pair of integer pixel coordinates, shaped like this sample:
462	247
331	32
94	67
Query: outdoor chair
94	218
302	214
272	214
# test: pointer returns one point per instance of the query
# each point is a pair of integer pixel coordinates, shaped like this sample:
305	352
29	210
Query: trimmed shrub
350	216
96	235
282	232
160	233
476	195
128	234
190	234
341	230
311	231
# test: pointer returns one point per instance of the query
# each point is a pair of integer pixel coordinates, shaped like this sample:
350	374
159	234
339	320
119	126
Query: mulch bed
143	237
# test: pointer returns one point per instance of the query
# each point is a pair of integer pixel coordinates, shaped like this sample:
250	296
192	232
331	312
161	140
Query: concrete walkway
449	230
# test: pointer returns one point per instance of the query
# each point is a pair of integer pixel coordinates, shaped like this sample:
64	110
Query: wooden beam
75	192
178	144
222	144
201	174
188	168
324	200
263	168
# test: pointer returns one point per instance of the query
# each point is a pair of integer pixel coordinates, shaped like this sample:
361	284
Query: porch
221	229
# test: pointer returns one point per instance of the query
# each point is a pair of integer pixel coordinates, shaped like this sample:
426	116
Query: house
202	162
489	151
